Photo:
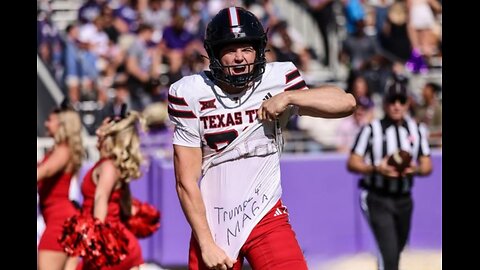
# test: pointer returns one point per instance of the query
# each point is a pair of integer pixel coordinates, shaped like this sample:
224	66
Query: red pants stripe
271	245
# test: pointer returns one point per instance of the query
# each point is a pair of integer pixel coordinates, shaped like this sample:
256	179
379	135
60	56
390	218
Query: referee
386	199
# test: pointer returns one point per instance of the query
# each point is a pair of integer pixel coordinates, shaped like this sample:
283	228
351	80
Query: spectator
360	89
122	96
422	23
49	46
72	62
142	67
381	8
177	44
354	12
283	45
359	49
322	12
393	36
430	112
159	15
126	16
90	10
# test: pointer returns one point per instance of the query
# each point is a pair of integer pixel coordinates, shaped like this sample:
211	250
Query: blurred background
101	53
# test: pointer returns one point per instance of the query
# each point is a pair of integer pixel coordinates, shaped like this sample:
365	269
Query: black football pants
389	218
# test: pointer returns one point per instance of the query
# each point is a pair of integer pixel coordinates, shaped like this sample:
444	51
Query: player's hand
387	170
215	258
273	107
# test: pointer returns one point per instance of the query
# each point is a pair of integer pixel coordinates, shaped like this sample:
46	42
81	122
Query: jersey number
220	140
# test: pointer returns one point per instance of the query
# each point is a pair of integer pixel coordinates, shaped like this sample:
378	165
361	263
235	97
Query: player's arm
326	101
57	161
188	166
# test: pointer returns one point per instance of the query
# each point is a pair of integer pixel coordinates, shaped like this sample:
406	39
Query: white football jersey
241	189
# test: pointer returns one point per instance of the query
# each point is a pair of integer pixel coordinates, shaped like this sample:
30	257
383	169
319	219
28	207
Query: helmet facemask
224	73
221	32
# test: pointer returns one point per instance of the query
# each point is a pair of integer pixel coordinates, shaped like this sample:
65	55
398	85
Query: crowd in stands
132	50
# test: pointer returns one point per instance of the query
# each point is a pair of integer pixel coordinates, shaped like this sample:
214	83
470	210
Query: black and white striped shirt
382	138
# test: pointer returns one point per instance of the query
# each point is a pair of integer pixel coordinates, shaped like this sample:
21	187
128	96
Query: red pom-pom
145	219
113	245
100	244
78	235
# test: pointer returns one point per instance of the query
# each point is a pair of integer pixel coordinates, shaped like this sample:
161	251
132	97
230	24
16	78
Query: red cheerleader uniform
134	257
55	207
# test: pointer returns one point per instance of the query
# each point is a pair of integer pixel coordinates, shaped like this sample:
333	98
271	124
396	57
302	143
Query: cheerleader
54	174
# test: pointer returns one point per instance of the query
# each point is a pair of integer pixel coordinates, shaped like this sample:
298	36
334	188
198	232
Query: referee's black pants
389	218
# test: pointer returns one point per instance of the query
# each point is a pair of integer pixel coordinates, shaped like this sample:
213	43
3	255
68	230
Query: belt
386	185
